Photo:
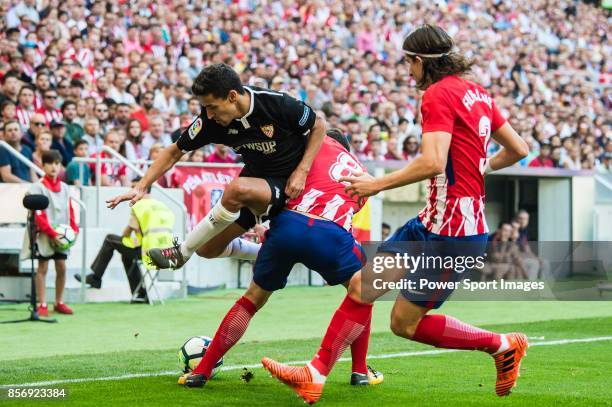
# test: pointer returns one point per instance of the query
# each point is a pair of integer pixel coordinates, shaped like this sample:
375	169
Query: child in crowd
79	174
60	211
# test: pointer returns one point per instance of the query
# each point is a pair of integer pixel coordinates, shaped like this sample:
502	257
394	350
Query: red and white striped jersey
24	116
323	195
455	199
50	115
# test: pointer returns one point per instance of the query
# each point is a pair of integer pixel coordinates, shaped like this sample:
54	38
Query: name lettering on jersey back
266	147
473	96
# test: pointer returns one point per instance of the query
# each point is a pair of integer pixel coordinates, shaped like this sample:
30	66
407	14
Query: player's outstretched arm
297	180
514	149
430	163
166	159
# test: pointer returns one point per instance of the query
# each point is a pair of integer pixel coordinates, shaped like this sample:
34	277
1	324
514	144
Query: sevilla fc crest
268	130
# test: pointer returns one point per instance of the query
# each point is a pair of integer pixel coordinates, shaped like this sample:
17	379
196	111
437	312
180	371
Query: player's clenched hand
362	185
133	195
295	183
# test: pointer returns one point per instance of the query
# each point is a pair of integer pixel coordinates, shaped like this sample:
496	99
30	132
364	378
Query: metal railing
81	204
22	158
138	171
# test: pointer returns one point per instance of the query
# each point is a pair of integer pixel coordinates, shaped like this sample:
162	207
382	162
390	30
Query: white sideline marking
297	362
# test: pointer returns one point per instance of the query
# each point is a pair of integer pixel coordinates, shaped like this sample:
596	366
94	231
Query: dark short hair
79	143
217	80
6	123
5	104
337	135
27	87
138	178
385	225
66	104
10	74
51	156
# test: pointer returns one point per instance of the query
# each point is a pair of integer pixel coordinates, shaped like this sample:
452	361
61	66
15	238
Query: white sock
505	345
317	377
241	249
211	225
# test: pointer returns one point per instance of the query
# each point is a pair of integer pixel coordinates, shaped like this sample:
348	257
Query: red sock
233	326
359	351
443	331
347	324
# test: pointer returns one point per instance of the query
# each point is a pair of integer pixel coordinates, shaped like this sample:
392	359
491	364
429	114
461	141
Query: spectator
605	167
134	138
156	134
74	131
25	108
376	149
79	174
60	211
60	142
146	110
221	154
42	144
555	156
112	174
358	146
92	135
393	149
410	148
522	218
572	160
119	92
48	109
133	89
385	231
548	69
11	168
37	125
164	100
10	87
63	91
543	160
7	111
102	113
197	156
122	115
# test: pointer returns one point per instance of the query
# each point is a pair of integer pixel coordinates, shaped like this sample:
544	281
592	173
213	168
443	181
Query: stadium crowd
77	74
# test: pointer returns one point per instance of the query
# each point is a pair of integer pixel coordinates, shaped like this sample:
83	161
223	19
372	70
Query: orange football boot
298	378
508	363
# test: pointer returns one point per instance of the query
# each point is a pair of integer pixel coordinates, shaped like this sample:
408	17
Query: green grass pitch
112	340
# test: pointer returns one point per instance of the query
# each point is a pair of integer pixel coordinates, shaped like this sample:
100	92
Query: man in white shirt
118	92
156	134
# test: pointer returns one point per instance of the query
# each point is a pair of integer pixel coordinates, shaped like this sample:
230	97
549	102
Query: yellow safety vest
156	224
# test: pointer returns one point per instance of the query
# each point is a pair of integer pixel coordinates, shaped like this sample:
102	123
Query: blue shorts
320	245
431	244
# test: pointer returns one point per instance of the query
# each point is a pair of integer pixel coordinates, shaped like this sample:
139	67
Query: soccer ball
193	351
66	236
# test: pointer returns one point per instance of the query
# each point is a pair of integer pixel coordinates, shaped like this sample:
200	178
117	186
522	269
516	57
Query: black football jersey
271	137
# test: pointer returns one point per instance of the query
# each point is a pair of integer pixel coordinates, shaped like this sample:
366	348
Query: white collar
244	118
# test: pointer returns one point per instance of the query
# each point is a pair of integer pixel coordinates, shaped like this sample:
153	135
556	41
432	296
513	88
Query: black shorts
54	256
277	203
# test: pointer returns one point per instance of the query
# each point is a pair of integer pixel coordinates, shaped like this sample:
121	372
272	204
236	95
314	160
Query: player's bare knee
354	288
402	327
236	194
